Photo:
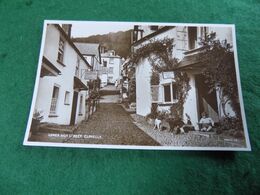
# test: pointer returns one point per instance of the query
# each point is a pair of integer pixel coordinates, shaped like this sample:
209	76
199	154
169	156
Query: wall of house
93	61
143	88
44	97
103	78
81	116
143	73
64	81
190	105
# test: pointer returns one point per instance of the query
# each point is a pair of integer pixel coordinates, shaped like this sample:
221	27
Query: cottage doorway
74	108
206	101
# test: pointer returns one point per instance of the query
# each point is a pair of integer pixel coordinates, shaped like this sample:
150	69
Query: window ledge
61	63
167	103
53	115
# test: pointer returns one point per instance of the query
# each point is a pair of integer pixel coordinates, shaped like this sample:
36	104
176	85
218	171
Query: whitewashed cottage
62	89
112	63
185	48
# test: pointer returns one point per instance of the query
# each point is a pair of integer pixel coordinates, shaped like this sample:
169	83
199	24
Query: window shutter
182	38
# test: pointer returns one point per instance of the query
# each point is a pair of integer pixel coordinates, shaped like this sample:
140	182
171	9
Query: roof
194	61
88	48
48	69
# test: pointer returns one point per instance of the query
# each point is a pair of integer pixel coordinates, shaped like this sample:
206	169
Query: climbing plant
220	72
160	55
132	90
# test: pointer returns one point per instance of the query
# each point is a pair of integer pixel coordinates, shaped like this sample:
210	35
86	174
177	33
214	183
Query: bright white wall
190	105
116	68
143	88
64	81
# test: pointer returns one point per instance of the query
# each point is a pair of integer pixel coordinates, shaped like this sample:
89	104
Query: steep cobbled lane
110	124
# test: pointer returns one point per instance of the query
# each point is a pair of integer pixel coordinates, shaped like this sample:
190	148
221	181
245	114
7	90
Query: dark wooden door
74	108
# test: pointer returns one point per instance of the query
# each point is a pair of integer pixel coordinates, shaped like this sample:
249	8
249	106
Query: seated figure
205	123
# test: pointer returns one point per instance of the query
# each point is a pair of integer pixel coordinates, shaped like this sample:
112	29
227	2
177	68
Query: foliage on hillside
119	41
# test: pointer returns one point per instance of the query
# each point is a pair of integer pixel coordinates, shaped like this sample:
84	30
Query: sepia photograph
138	85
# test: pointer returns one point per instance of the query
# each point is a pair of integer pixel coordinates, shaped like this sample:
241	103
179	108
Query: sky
85	29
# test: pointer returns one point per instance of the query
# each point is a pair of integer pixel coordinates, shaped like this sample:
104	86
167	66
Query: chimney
67	29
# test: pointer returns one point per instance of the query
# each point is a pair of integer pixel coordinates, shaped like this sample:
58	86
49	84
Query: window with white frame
54	100
61	50
192	35
81	105
104	63
170	93
67	98
77	67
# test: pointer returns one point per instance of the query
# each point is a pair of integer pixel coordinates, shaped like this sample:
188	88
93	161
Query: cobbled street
110	124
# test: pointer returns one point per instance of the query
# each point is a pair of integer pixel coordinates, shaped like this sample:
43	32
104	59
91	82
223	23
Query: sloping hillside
119	41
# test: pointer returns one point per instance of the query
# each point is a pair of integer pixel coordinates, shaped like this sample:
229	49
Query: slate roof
88	48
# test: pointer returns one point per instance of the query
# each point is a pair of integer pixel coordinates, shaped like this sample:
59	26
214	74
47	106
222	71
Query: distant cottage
111	66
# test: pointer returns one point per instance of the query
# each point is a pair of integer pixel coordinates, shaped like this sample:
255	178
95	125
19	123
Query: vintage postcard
134	85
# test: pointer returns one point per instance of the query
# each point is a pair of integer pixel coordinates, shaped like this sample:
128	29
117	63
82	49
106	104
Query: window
110	70
92	61
167	93
77	67
203	32
192	33
111	60
81	105
61	50
170	93
154	28
54	100
67	98
104	63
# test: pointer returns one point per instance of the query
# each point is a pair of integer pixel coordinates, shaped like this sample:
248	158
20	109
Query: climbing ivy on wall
220	59
159	53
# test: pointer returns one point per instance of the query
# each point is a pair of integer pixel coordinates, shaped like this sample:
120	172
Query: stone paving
110	124
190	139
109	99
